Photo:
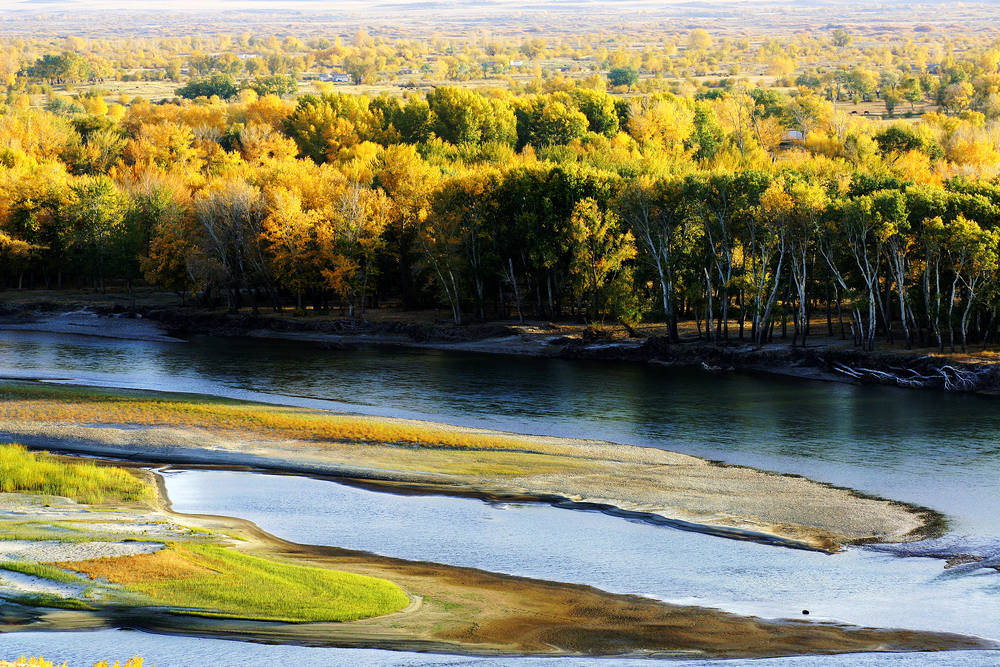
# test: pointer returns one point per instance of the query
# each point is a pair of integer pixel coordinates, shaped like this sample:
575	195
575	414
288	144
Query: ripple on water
81	649
859	586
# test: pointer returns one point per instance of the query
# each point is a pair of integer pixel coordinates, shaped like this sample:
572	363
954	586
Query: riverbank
452	609
827	358
637	482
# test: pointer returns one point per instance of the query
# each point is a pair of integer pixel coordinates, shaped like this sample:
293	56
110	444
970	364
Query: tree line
575	204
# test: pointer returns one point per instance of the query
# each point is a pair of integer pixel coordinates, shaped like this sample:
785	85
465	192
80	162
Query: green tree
547	122
600	250
708	135
282	85
324	125
599	108
217	84
623	76
101	241
463	116
67	66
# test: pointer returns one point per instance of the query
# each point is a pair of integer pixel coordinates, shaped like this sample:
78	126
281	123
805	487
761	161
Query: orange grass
78	405
137	569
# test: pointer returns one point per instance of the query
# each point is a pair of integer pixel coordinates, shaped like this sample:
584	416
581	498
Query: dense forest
615	196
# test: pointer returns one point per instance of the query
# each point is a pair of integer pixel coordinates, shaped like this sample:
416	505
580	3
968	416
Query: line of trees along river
568	204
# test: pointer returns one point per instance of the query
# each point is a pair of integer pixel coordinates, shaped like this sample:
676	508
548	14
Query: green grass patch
23	471
239	585
35	531
41	571
48	600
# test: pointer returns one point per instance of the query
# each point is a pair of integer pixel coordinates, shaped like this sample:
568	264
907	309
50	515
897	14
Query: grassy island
200	575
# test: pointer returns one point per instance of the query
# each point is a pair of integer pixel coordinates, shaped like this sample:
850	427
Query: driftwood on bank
947	376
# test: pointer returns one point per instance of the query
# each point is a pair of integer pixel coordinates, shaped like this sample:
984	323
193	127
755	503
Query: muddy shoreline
823	359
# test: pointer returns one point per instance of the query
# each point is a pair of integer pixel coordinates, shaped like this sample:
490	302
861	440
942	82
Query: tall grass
41	571
88	405
22	471
222	582
138	568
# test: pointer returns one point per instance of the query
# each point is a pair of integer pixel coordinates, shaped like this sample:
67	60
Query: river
933	449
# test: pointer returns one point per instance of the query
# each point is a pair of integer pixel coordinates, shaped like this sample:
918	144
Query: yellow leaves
192	116
972	147
291	233
10	64
769	132
338	276
168	145
39	134
338	136
915	165
116	112
269	110
781	66
35	662
321	229
94	104
11	247
959	96
260	143
809	196
972	248
24	661
668	122
358	163
775	202
408	180
819	143
600	249
699	40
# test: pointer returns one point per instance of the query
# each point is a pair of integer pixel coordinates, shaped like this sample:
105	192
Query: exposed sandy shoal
53	550
467	611
730	500
18	584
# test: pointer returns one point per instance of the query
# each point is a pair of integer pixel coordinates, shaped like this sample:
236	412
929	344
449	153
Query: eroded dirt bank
824	358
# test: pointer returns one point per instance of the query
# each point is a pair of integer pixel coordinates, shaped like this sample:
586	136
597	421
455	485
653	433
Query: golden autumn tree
350	239
600	252
292	238
408	181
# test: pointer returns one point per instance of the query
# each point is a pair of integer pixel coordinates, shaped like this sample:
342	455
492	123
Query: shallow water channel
861	587
938	450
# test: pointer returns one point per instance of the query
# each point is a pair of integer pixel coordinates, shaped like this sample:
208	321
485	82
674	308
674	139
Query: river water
938	450
860	587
